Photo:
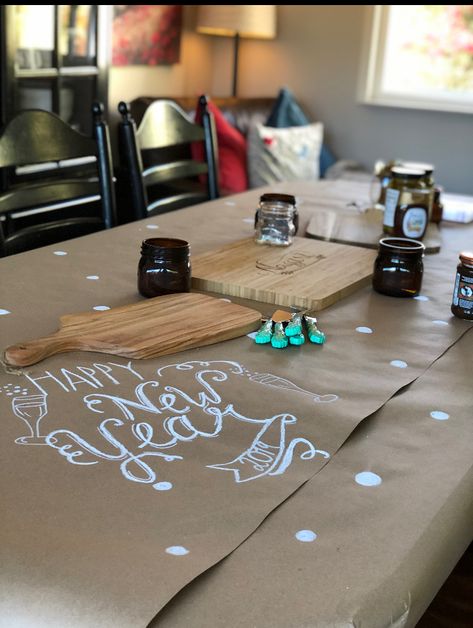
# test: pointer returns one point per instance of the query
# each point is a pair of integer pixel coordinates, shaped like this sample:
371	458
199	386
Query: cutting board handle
28	353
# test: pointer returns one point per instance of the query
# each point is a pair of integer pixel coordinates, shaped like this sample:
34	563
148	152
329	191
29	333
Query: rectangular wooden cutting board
308	273
145	329
360	228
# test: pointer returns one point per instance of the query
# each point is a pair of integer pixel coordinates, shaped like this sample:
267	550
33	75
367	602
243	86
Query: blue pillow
286	112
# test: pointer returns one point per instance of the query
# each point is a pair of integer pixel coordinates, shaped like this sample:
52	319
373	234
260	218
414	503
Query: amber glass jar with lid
407	204
164	267
398	268
276	219
462	301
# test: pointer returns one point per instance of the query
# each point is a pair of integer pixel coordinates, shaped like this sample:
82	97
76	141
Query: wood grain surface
145	329
308	274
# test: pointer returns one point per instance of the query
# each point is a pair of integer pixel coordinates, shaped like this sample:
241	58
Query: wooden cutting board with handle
146	329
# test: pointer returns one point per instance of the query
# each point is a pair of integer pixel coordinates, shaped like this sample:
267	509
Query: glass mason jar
380	180
462	301
407	204
276	219
428	179
398	269
164	267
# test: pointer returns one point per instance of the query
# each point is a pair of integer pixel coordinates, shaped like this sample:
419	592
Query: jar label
414	222
463	292
390	207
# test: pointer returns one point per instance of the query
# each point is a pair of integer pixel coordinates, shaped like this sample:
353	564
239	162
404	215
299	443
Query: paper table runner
154	471
370	539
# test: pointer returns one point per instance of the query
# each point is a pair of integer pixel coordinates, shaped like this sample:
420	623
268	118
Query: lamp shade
245	20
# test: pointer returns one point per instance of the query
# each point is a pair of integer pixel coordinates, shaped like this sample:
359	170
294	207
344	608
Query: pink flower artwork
146	34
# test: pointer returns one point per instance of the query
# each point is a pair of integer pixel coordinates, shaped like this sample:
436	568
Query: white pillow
284	154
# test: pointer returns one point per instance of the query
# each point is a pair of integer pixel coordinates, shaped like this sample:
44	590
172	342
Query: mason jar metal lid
399	172
467	257
416	165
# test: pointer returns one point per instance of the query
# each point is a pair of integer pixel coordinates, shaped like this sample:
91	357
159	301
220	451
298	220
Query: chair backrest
160	169
57	183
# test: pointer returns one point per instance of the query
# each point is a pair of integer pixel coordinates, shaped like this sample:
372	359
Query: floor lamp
247	20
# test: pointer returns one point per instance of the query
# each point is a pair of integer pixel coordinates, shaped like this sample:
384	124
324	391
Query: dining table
233	484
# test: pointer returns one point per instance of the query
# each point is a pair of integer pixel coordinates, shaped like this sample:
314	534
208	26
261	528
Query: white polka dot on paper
152	226
252	335
440	323
367	478
421	297
101	308
177	550
162	486
60	253
305	536
400	364
4	312
438	415
249	220
230	203
93	277
364	330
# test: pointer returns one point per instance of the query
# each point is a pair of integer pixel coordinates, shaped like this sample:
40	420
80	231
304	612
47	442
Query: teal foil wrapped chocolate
279	339
263	335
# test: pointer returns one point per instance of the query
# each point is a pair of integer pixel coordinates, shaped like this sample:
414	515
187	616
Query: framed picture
146	34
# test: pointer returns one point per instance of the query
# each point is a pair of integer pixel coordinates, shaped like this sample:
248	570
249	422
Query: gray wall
318	55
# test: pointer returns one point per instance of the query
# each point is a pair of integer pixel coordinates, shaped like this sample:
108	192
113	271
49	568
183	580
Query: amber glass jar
164	267
276	219
427	179
462	301
437	205
408	199
398	269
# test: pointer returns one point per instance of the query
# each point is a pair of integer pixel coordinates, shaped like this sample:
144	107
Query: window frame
370	84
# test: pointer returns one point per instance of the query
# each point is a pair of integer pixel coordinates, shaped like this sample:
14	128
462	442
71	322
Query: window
420	56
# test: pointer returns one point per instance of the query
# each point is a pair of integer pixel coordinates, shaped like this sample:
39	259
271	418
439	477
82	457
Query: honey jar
408	199
462	300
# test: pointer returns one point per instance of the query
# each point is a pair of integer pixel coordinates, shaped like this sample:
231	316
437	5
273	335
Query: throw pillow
232	153
290	154
286	112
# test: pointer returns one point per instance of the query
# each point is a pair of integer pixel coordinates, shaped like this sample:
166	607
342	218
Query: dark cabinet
55	57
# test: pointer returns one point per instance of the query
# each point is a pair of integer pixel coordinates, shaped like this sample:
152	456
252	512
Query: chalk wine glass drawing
31	409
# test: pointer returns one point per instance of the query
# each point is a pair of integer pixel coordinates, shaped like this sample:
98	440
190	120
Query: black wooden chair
160	169
57	183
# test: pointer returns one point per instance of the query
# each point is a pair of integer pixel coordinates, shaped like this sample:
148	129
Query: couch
240	112
243	114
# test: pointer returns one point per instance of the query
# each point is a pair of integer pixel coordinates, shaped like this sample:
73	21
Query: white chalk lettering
184	404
